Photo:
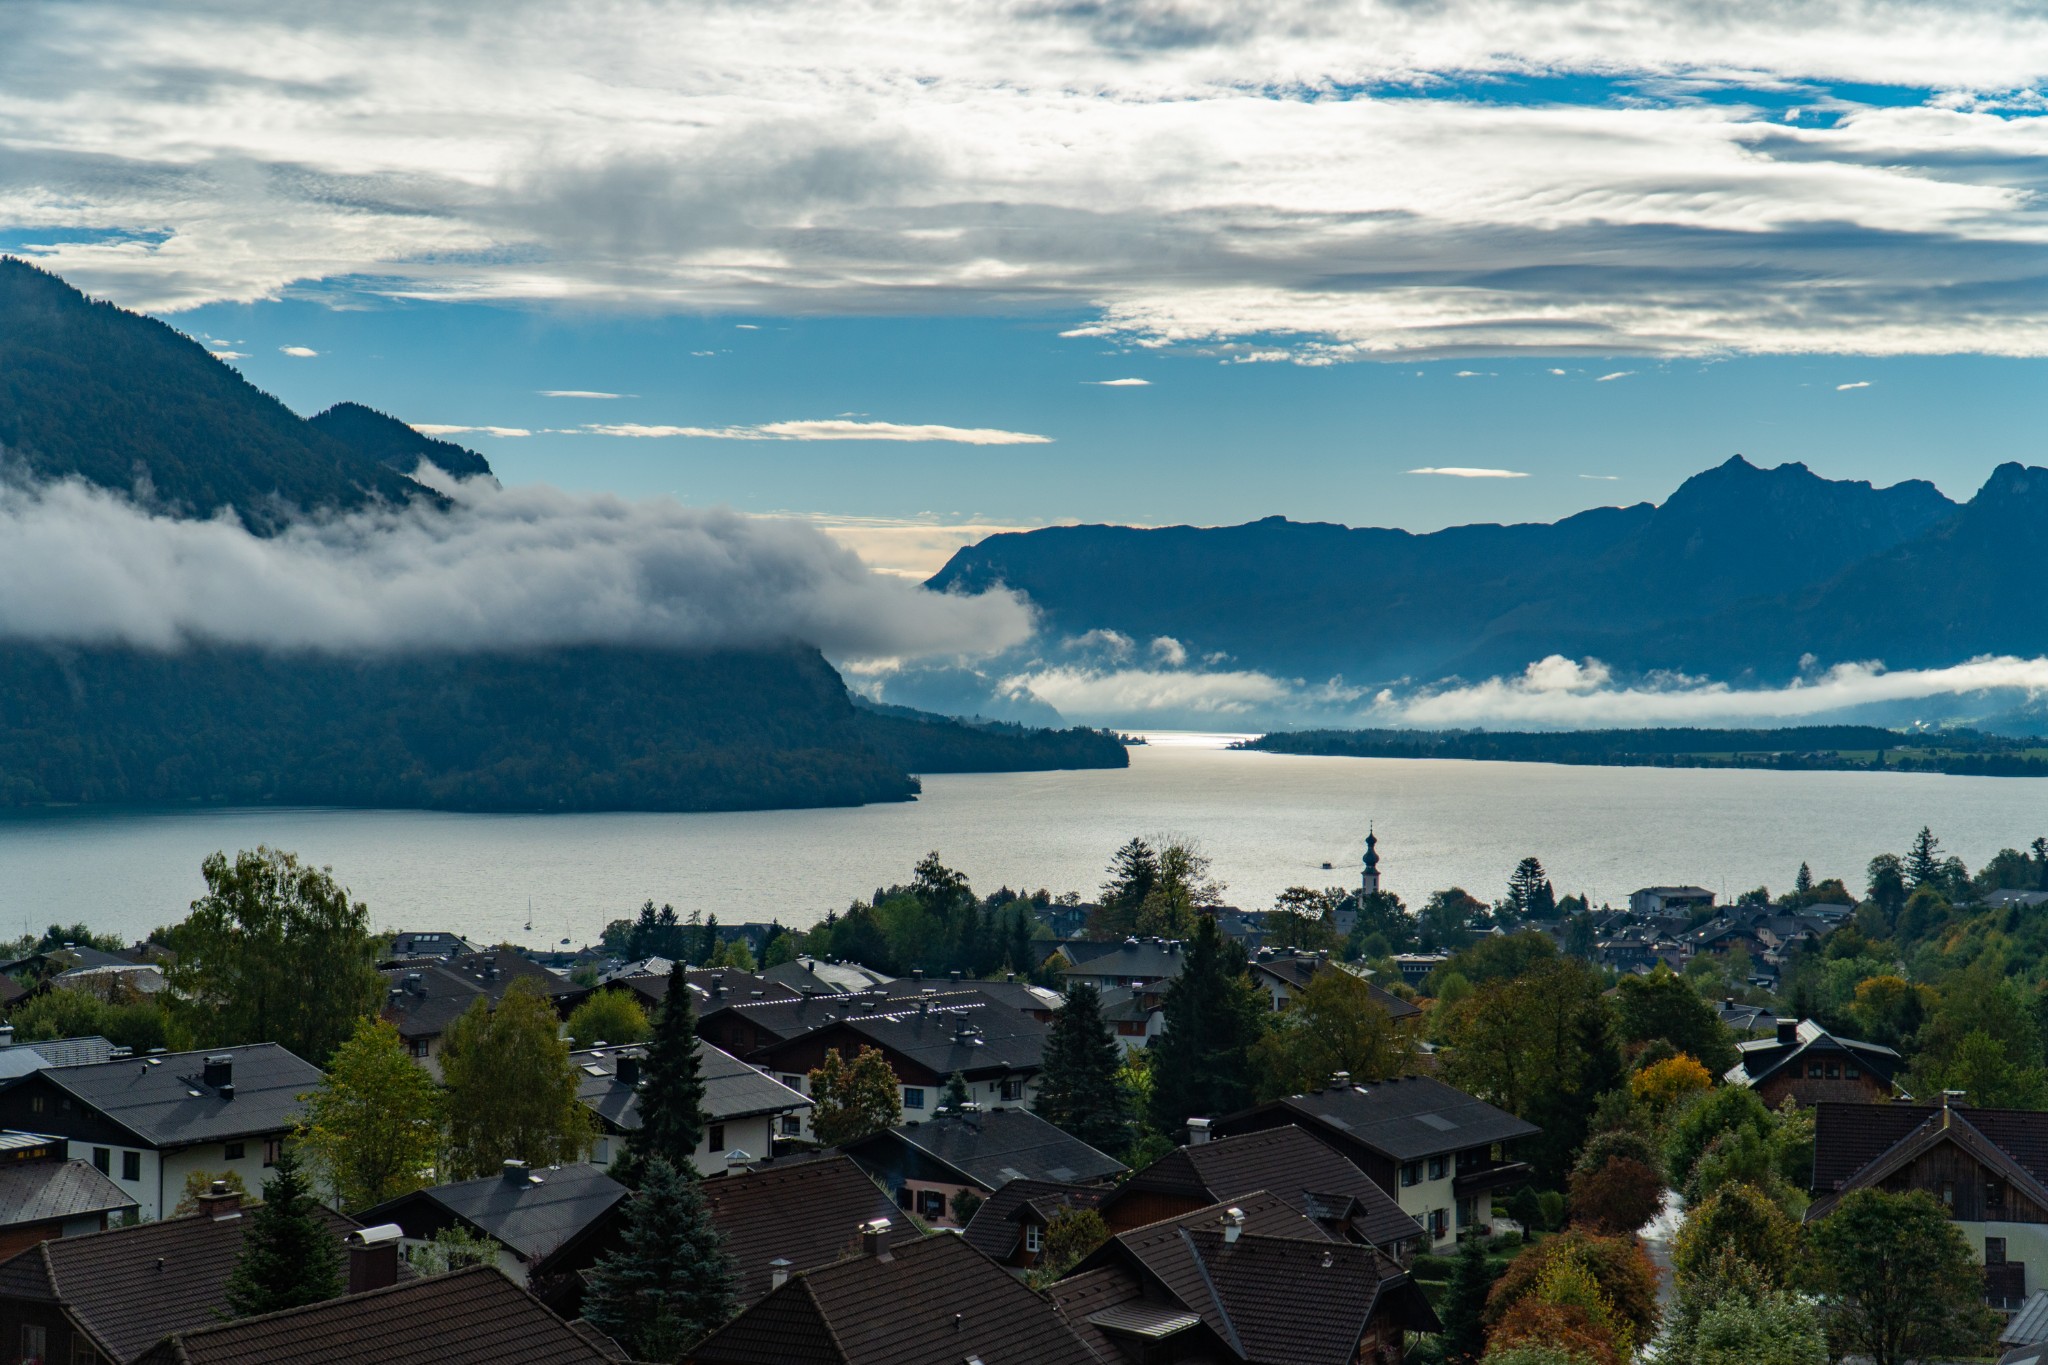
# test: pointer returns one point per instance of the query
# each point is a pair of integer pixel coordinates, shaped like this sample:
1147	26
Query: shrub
1617	1265
1620	1196
1668	1082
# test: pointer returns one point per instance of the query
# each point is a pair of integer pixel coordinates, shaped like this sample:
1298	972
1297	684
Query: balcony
2005	1286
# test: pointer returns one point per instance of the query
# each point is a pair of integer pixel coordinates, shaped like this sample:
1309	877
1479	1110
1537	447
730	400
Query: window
1834	1071
35	1341
1813	1072
904	1198
1994	1195
1034	1238
1013	1090
795	1083
717	1137
1411	1173
35	1104
422	1047
1948	1193
1439	1224
931	1205
82	1352
913	1097
1436	1168
601	1152
131	1165
1994	1251
792	1126
103	1159
271	1147
1853	1073
236	1151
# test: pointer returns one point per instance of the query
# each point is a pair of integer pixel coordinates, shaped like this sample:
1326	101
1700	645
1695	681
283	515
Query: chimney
515	1171
218	1073
416	983
778	1272
6	1035
1788	1032
219	1202
718	985
373	1258
629	1071
1233	1225
955	975
873	1239
1198	1131
917	973
1340	1080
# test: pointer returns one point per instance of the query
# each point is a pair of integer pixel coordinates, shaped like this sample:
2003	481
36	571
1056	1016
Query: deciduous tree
613	1017
371	1130
1663	1005
1899	1279
854	1099
511	1088
1333	1024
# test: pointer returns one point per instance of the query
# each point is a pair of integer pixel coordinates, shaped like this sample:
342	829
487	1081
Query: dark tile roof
130	1287
732	1089
1405	1119
164	1102
1152	958
798	1016
934	1301
20	1059
423	998
998	1225
1763	1058
429	943
973	1035
995	1146
472	1317
808	1213
1310	1175
1018	995
45	1191
818	975
714	986
1848	1137
533	1214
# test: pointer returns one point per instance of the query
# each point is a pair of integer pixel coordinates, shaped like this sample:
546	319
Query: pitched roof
1405	1119
1308	1174
164	1100
973	1035
995	1146
424	997
19	1059
934	1301
808	1213
797	1016
533	1213
129	1287
1763	1058
471	1317
45	1191
732	1089
1018	995
998	1225
1154	958
429	943
820	975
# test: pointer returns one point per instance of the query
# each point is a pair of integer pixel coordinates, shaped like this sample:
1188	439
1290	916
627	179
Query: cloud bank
501	568
1306	180
830	429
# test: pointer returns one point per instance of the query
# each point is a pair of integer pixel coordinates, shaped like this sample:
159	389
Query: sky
913	270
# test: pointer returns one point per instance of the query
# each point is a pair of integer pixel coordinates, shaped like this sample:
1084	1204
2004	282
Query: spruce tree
1464	1337
670	1282
1078	1090
1201	1065
955	1096
289	1256
671	1092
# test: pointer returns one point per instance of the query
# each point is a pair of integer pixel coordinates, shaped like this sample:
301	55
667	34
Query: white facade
1018	1090
156	1180
1424	1190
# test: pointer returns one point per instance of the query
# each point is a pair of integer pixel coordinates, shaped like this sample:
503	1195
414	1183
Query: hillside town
943	1127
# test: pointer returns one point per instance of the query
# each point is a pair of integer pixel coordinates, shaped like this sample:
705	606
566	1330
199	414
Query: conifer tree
955	1096
289	1255
671	1092
1201	1065
1464	1338
1079	1091
670	1282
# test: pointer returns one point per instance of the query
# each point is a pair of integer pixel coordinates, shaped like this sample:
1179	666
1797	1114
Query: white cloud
1476	374
1601	478
501	568
1088	693
1557	372
1466	472
1859	384
1169	651
581	393
230	355
1610	378
909	547
301	352
442	429
1118	383
829	429
1113	645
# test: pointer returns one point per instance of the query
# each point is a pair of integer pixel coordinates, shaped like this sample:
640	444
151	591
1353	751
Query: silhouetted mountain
391	442
1314	600
126	402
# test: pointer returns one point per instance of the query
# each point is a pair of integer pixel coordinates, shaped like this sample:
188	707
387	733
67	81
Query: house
1009	1228
1308	1176
1805	1063
927	1166
473	1315
423	999
2009	898
19	1059
408	944
744	1110
1252	1281
1988	1167
748	1027
548	1222
1022	996
825	977
150	1122
44	1195
1747	1021
797	1214
1416	967
1284	973
1439	1151
933	1301
1655	902
1133	962
1135	1014
106	1297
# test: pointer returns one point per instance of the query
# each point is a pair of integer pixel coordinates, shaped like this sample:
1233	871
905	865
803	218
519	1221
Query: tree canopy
511	1088
372	1129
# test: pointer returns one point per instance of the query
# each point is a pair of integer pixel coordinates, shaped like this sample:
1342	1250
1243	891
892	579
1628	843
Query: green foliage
139	1023
1305	918
1202	1065
1069	1237
1776	1329
1133	872
452	1248
373	1127
273	952
854	1099
1745	1156
1498	957
1529	892
610	1016
1081	1087
201	1182
1619	1194
954	1095
1618	1267
1663	1006
1739	1221
1463	1311
1532	1353
966	1203
1705	1118
1441	923
289	1256
1899	1278
1332	1024
671	1093
511	1088
670	1282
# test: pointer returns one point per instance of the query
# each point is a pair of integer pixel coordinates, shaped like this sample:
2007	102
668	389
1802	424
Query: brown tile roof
997	1226
808	1213
472	1317
935	1301
44	1191
129	1287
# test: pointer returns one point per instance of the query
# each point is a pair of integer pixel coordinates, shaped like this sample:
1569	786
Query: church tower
1370	883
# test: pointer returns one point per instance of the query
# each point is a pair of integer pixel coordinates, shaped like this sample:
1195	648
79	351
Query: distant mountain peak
391	442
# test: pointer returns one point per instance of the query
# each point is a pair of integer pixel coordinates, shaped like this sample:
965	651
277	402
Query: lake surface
1268	820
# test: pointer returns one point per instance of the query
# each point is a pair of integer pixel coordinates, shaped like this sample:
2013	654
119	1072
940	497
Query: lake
1268	820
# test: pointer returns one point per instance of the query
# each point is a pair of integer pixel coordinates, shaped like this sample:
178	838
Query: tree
1770	1329
1703	1119
511	1087
613	1017
1069	1237
273	952
1081	1089
1618	1195
854	1099
1529	892
1464	1305
1133	871
1661	1085
290	1256
1444	917
1740	1221
1887	883
1619	1267
670	1282
671	1093
1923	860
373	1127
1202	1064
202	1182
1304	918
452	1248
1664	1005
1889	1010
1566	1306
1802	885
1899	1279
954	1096
1334	1024
1987	1076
